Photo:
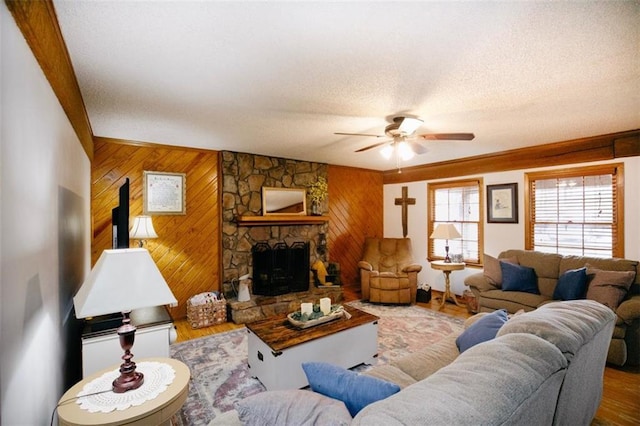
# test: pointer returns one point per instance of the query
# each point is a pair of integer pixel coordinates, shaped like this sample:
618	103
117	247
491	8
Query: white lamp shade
445	231
142	228
122	280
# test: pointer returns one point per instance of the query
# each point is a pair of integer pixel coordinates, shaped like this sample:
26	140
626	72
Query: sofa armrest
412	268
479	282
363	264
629	310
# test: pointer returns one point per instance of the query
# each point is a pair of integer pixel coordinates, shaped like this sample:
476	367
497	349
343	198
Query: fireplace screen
280	269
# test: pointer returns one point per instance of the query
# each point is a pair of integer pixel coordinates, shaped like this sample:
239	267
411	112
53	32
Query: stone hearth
261	307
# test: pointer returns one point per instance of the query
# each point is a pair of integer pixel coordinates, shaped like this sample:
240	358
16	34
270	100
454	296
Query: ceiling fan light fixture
387	151
404	151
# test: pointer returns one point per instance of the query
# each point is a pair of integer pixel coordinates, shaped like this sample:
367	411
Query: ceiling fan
404	142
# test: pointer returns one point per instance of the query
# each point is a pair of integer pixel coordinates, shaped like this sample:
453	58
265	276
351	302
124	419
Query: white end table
446	268
158	411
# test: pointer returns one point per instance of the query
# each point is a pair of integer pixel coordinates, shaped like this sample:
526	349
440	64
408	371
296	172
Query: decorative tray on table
317	317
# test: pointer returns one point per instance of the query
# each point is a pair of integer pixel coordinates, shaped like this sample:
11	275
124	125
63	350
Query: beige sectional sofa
625	342
543	367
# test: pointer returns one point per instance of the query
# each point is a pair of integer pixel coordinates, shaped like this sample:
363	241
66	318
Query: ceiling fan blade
359	134
417	148
409	125
448	136
375	145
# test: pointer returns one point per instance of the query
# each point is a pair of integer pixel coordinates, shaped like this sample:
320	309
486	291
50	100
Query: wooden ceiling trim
142	144
584	150
628	146
38	23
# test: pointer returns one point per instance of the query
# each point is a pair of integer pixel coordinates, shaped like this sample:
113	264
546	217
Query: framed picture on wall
502	203
164	193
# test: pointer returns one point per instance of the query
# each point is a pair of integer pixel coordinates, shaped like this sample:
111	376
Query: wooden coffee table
277	349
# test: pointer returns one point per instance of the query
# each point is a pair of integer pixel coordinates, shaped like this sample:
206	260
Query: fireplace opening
280	269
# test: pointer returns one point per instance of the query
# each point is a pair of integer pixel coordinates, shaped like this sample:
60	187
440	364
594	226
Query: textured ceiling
279	78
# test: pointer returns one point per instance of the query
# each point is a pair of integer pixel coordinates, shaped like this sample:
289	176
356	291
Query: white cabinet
155	332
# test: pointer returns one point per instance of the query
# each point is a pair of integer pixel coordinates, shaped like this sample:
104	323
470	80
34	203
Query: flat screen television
120	218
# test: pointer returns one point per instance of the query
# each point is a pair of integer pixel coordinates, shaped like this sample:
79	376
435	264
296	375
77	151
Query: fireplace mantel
280	219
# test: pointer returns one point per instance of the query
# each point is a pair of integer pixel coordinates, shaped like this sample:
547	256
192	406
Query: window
457	202
576	211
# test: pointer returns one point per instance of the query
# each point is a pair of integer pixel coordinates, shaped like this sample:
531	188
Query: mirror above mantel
282	206
284	201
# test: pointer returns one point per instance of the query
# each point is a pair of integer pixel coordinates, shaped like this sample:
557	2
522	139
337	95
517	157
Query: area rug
218	363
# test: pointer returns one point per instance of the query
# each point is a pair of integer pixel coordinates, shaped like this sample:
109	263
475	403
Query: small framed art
502	203
164	193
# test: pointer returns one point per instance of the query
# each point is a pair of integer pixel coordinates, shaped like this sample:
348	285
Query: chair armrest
479	282
363	264
629	310
412	268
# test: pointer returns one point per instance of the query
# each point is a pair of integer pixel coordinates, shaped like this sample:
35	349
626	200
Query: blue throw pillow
519	278
482	330
355	390
571	285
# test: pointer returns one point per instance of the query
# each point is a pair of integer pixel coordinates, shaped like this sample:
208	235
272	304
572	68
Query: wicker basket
206	314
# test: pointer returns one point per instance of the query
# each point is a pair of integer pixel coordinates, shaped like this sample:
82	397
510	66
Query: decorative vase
316	208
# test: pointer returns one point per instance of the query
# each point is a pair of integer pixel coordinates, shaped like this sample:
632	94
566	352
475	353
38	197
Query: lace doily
157	377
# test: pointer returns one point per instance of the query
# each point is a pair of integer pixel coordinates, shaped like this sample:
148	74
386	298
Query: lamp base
447	259
129	378
126	383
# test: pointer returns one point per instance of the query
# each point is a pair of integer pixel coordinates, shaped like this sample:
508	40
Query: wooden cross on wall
405	202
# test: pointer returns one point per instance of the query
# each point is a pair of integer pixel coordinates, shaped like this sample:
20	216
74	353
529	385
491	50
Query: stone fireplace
243	176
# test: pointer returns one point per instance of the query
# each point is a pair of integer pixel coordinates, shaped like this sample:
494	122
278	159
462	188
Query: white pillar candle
306	308
325	305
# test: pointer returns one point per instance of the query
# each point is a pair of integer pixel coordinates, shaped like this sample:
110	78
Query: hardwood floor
621	395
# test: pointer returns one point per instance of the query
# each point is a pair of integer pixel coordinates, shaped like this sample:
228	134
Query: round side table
158	411
446	268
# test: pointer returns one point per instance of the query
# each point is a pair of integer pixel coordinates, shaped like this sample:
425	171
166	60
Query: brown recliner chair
388	273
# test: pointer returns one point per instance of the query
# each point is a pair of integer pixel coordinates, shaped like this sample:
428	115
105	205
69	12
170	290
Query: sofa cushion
512	301
519	278
546	265
482	330
391	374
423	363
608	287
572	285
504	381
568	325
355	390
291	407
492	270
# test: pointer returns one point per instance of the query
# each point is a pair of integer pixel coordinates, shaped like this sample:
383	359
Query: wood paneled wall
187	251
355	212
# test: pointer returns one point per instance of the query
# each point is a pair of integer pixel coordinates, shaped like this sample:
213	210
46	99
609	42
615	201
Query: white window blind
575	213
457	203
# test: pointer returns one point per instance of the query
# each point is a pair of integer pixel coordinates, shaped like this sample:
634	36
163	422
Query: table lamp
123	280
142	229
446	231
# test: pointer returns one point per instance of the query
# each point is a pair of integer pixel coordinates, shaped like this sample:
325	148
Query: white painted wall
39	155
497	237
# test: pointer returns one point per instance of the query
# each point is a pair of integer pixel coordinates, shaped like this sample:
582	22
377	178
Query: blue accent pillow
482	330
355	390
571	285
519	278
